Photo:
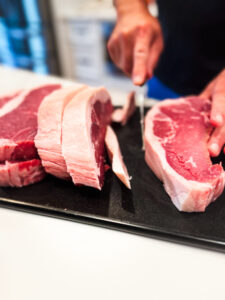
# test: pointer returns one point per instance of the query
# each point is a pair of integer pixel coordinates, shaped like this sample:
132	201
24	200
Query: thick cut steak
49	136
18	123
176	135
4	99
18	174
85	120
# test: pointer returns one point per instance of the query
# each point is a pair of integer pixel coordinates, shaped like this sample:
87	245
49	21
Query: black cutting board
145	210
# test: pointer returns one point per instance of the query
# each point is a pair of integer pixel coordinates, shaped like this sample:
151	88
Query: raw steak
49	136
83	133
114	153
18	174
122	115
176	135
18	124
4	99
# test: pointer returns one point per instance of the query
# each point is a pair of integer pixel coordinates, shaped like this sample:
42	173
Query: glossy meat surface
176	135
49	136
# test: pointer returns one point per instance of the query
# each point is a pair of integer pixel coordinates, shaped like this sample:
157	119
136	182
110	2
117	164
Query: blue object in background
6	55
37	45
158	90
27	36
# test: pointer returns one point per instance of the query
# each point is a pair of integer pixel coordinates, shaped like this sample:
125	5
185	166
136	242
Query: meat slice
83	133
122	115
115	156
176	135
6	98
18	123
18	174
49	136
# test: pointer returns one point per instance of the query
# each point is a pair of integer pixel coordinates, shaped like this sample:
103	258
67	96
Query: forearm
136	42
126	6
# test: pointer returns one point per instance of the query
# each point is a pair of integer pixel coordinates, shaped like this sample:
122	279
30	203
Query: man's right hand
136	42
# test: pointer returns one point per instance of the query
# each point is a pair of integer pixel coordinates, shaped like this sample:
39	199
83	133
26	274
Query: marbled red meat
18	123
7	98
18	174
176	136
83	132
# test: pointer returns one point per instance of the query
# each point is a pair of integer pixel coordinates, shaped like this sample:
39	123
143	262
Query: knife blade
141	103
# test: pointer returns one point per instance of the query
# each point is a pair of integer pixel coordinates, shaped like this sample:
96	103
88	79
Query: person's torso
194	35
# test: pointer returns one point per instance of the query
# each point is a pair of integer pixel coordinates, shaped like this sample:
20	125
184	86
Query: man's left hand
216	92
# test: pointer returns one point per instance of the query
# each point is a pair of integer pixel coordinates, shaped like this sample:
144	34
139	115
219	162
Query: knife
141	103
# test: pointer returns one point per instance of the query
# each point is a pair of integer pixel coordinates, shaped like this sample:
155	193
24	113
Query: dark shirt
194	37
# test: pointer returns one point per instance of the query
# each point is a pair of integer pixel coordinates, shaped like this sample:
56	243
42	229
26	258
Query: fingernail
214	148
219	119
138	79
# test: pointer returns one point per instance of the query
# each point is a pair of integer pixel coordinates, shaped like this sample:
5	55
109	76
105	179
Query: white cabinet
88	49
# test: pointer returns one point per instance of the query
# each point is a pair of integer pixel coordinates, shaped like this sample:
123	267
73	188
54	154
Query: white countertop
46	258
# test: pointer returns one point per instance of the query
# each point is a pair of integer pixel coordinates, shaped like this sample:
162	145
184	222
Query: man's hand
216	92
136	42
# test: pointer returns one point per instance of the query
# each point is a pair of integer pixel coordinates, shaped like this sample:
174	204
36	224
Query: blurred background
67	38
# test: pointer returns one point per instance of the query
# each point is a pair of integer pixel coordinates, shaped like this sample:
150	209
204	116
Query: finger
114	49
154	54
217	116
216	141
126	57
140	55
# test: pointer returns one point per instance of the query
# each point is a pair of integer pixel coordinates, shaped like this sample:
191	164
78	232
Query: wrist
129	6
